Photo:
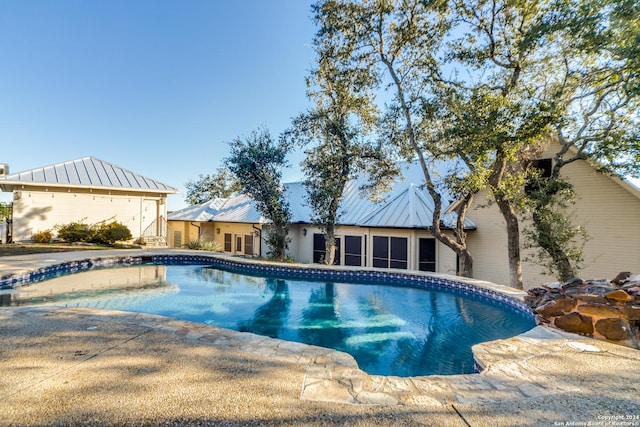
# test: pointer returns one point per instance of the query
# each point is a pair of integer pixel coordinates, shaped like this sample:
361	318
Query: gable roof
87	172
406	205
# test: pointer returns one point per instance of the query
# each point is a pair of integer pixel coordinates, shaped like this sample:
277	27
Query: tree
485	83
257	162
5	210
508	104
220	184
395	43
599	88
334	131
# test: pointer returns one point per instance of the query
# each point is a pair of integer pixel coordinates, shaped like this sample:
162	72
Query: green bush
111	233
75	232
102	233
43	236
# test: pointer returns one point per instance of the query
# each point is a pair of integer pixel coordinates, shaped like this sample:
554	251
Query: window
227	242
380	251
320	251
399	253
427	255
353	250
238	243
248	244
318	248
390	252
177	239
544	167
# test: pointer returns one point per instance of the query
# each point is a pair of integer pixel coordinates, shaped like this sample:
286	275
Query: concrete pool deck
94	367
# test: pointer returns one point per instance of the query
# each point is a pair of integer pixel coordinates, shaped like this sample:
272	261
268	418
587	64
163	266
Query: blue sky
158	87
155	86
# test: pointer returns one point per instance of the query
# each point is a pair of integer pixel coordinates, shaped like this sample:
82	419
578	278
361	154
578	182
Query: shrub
103	233
203	245
111	233
45	236
75	232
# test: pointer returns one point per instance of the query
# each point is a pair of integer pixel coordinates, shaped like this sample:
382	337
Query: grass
38	248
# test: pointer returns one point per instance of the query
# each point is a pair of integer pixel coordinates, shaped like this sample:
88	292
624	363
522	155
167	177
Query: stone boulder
603	309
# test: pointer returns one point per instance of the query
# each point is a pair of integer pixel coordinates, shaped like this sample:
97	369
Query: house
394	233
607	207
88	190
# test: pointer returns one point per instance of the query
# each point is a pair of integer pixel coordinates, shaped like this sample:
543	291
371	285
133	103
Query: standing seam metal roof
406	205
87	172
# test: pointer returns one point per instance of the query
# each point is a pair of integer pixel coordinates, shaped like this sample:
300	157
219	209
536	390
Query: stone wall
603	309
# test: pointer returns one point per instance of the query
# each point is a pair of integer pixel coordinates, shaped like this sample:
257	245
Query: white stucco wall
37	209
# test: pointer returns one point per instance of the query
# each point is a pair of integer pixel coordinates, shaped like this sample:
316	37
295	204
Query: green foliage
203	244
392	46
486	83
75	232
334	133
109	233
220	184
257	162
556	242
45	236
101	233
5	210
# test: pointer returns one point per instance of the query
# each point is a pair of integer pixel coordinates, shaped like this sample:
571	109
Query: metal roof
237	208
406	205
87	172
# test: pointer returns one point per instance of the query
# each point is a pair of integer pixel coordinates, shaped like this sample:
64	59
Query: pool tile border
264	269
290	272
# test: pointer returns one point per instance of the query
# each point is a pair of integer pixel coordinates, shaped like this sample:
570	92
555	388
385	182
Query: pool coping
510	367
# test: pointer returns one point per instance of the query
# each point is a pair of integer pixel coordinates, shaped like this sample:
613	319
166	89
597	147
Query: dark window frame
389	253
320	249
248	244
427	256
353	253
228	242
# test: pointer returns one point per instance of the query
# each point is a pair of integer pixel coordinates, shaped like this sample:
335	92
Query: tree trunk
459	245
465	263
513	244
330	244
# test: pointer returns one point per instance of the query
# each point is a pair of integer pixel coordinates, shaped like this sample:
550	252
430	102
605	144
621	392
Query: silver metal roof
88	172
406	205
237	208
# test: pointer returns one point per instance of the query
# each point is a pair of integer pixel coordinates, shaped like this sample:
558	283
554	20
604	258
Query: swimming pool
389	323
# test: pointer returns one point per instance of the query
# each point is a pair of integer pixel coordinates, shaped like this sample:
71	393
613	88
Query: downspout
259	231
197	226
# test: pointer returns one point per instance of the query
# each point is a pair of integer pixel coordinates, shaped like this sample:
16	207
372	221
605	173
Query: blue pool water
389	330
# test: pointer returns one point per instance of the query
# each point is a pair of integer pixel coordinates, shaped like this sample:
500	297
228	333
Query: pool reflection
269	319
90	284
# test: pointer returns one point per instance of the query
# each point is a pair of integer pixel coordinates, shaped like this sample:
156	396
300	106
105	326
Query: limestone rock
607	310
632	312
573	282
599	310
621	278
618	295
613	329
557	307
634	290
575	322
